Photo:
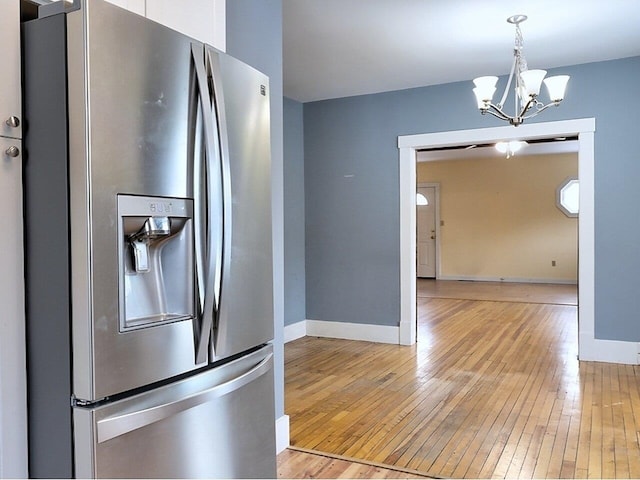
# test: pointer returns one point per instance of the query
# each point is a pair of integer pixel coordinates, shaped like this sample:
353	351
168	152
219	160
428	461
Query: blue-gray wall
352	189
294	259
254	35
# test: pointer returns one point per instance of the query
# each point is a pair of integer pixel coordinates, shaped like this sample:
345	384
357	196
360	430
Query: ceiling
340	48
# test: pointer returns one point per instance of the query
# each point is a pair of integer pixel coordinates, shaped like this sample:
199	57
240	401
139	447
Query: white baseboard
347	331
295	331
282	433
354	331
594	350
610	351
507	279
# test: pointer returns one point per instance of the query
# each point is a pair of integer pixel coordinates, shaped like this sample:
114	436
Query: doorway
500	220
427	205
589	348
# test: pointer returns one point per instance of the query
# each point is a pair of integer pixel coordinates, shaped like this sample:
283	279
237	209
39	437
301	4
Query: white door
426	232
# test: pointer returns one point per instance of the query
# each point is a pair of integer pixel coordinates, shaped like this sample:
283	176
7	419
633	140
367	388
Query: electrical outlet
553	263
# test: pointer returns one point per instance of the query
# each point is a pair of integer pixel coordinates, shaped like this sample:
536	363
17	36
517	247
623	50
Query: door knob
12	151
13	121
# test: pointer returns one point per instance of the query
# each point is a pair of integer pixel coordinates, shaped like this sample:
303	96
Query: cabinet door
136	6
10	101
203	20
13	403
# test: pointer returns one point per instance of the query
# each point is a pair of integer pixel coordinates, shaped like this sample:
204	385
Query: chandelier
527	86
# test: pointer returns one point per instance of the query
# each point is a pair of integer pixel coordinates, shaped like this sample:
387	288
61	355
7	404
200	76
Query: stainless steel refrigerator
148	251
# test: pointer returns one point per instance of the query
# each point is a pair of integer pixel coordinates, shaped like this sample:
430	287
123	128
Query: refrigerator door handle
218	108
208	213
117	425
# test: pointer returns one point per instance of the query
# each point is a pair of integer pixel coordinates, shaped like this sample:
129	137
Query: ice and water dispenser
155	252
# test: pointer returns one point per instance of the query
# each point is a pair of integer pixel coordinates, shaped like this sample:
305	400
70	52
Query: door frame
436	187
589	347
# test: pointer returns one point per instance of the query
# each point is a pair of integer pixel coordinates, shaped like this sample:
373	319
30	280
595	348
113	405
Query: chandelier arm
490	112
526	107
496	112
542	109
539	107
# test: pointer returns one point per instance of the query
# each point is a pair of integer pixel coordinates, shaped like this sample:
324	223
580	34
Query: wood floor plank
490	390
621	453
626	376
544	454
569	460
595	453
587	375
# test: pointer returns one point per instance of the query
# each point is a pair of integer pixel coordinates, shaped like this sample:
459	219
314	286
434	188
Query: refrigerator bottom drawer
217	424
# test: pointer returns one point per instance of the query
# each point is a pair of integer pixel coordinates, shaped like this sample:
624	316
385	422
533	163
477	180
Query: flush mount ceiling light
527	86
511	147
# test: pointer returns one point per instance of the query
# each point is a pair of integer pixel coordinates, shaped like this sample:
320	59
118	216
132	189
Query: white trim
295	331
353	331
408	310
489	135
584	128
611	351
586	253
282	433
471	278
343	330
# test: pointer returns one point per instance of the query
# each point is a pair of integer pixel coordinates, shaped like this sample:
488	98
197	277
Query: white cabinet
13	390
10	100
197	18
136	6
203	20
13	403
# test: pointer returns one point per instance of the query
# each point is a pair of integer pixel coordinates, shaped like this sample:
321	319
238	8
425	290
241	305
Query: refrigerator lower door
216	424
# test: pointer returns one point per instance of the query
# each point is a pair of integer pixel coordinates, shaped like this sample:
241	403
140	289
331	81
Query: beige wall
501	220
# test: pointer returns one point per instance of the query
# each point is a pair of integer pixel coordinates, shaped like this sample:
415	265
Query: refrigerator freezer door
241	103
217	424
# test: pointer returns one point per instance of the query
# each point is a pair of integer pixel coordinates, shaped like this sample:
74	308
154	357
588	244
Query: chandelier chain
520	49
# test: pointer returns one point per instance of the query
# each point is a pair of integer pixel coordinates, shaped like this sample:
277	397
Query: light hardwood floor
556	294
295	463
491	390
